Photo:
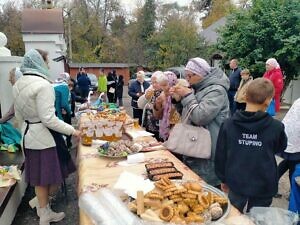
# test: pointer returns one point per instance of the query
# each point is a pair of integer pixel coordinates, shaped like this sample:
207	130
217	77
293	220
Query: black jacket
245	155
235	79
119	87
134	89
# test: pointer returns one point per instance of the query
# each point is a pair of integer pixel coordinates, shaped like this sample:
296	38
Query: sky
131	4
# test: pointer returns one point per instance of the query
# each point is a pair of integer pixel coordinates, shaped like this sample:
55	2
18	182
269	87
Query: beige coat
240	95
34	101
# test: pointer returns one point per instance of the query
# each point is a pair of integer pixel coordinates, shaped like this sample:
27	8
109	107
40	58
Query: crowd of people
245	137
236	110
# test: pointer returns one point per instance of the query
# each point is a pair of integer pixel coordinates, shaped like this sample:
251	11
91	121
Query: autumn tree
175	43
268	29
219	9
10	25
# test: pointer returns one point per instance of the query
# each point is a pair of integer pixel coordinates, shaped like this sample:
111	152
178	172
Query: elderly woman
274	74
137	89
34	103
146	102
210	87
62	95
163	107
14	75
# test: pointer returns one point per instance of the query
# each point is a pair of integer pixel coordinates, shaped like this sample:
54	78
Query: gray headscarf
33	63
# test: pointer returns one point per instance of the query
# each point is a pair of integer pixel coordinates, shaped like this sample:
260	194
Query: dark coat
235	79
134	89
119	87
245	155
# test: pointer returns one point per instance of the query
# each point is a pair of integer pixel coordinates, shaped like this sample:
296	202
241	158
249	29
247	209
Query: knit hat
198	66
273	62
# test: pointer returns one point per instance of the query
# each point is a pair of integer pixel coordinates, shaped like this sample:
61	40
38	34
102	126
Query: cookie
166	213
187	195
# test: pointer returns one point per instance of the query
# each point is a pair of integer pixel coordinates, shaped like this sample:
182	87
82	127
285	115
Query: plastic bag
273	216
105	208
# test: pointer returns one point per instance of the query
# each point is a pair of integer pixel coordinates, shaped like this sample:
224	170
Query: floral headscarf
164	128
33	63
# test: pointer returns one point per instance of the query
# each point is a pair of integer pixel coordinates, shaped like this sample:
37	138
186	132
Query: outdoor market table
95	172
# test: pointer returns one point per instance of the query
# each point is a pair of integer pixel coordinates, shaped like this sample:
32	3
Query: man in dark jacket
137	89
235	79
81	72
111	86
84	84
246	147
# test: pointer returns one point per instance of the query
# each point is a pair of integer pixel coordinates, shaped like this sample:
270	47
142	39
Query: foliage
219	9
175	44
156	35
268	29
147	19
10	25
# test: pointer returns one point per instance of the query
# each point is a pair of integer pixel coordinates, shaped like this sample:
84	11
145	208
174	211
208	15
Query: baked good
151	166
162	171
166	213
174	175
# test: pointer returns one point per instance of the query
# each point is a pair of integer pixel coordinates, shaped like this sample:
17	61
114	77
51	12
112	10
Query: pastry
166	213
216	212
203	201
152	166
140	202
162	171
195	187
152	203
150	215
174	175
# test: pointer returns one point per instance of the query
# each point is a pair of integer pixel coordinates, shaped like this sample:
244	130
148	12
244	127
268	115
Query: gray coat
213	108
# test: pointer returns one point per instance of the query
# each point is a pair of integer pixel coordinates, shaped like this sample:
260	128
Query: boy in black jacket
246	147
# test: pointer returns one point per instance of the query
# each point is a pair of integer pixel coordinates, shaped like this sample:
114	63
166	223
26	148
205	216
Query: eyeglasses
189	75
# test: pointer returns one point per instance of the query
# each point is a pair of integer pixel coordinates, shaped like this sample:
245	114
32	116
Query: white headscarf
273	62
18	73
63	77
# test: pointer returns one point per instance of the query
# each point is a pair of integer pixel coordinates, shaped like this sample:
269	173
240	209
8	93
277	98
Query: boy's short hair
259	90
245	71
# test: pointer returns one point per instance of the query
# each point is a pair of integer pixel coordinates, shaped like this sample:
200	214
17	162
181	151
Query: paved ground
26	216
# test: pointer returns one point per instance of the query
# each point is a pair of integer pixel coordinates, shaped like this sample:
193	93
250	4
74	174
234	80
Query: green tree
219	9
268	29
147	19
175	44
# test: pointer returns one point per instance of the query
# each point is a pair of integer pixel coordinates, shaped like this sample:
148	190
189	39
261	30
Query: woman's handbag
189	140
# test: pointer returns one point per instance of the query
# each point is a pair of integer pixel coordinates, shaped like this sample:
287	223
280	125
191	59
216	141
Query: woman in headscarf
210	87
34	103
274	74
146	102
62	95
163	107
14	75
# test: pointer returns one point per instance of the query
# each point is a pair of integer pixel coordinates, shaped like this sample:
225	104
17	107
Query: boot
47	215
34	203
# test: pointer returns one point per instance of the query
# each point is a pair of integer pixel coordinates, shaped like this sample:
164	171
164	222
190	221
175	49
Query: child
247	143
240	96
